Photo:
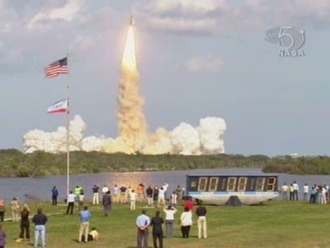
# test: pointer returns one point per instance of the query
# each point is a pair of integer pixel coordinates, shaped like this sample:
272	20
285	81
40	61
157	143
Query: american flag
56	68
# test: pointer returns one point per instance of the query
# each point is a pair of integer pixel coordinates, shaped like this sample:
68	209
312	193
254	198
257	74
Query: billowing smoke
185	139
131	121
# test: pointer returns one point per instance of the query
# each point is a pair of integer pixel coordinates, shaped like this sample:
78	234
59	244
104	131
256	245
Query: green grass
274	224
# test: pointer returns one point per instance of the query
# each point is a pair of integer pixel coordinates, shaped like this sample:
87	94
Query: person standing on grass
81	201
161	197
14	206
85	216
2	210
133	200
189	203
70	203
116	194
174	199
291	192
169	220
2	238
96	198
285	189
39	221
312	196
157	230
201	221
149	193
123	198
155	195
54	195
306	190
25	223
106	202
139	191
186	222
142	222
295	191
105	189
178	191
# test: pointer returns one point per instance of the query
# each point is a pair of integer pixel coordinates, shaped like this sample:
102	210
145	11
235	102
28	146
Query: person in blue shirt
54	195
85	216
313	193
142	222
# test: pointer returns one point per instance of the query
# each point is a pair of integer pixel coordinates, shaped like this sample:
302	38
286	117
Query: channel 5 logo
290	39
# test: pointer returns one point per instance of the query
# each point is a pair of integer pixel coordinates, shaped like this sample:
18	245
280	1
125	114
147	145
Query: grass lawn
274	224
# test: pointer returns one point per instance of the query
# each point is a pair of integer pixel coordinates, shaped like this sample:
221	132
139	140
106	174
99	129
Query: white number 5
282	34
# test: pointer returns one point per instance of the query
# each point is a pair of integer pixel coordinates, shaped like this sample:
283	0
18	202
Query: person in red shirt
189	204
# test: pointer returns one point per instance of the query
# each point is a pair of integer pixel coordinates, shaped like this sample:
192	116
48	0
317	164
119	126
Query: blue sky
196	59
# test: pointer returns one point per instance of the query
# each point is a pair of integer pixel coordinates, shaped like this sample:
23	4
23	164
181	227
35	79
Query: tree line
15	163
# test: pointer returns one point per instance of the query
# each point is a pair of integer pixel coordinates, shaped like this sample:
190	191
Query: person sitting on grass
93	235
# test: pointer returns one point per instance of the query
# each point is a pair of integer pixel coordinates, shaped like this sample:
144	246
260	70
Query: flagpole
68	130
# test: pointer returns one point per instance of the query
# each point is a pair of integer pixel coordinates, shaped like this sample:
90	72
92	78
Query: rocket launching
131	120
133	137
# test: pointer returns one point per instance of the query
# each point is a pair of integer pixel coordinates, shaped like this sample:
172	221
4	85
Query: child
2	238
93	235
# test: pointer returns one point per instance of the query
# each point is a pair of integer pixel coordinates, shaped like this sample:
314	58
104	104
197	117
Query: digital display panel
232	183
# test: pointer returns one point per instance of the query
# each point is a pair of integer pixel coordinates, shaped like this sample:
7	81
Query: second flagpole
68	130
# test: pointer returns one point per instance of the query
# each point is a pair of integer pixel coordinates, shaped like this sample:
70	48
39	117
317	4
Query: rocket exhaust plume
206	138
131	120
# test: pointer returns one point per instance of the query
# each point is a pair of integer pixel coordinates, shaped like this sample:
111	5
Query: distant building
294	155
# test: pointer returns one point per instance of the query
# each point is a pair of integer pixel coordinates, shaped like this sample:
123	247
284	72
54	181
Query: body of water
40	188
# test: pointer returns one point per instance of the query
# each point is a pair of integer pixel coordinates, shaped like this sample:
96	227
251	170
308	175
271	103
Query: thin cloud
214	16
207	63
68	12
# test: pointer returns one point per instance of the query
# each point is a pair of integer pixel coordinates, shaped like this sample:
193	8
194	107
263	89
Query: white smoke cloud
185	139
37	140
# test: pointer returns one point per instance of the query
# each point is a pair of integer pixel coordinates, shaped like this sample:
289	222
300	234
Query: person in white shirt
285	190
161	195
323	193
128	194
165	186
116	193
133	199
186	222
70	202
295	191
105	189
306	190
169	221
